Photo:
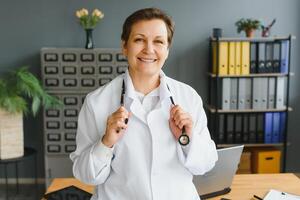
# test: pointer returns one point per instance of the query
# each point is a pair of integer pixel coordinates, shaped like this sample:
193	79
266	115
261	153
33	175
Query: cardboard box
245	163
266	161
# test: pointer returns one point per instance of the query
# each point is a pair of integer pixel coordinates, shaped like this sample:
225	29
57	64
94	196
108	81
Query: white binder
271	93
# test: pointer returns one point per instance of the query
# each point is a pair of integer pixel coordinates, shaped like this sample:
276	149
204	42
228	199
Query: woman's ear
124	48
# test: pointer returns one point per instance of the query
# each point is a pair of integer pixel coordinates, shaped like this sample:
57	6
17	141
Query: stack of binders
240	128
249	90
244	93
243	57
269	57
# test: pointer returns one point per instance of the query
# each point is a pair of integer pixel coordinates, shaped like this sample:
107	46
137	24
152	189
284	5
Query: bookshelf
248	100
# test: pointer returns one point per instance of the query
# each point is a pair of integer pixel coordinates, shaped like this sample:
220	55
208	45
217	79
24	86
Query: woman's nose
149	48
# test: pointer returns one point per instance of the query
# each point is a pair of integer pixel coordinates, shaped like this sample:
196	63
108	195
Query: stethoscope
183	139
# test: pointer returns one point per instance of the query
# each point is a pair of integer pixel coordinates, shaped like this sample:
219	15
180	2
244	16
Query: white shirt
147	163
148	101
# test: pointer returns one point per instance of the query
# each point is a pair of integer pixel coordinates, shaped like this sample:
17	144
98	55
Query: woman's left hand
178	119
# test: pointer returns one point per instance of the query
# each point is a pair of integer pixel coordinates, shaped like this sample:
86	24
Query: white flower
89	21
98	13
78	14
84	12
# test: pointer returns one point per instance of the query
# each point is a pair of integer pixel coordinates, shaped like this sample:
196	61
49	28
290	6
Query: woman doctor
128	129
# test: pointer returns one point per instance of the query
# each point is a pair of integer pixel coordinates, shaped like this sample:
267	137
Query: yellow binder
245	53
237	58
231	58
223	58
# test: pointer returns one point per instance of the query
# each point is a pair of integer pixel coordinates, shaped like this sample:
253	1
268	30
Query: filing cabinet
69	74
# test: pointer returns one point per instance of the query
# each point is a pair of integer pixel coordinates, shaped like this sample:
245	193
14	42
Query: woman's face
147	47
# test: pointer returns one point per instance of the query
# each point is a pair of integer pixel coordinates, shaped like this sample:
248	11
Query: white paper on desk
278	195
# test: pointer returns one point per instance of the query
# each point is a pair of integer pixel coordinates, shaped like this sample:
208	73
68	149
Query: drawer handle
269	158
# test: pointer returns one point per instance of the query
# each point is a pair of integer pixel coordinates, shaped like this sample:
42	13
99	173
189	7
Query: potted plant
248	25
20	93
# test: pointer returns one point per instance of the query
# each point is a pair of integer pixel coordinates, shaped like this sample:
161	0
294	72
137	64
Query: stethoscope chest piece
184	139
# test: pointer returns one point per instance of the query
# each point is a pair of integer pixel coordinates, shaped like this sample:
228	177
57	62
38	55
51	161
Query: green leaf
20	85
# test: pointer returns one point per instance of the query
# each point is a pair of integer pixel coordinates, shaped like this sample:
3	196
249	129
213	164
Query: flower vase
89	39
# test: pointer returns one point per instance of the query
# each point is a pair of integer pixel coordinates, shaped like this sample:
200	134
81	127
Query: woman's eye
159	41
138	39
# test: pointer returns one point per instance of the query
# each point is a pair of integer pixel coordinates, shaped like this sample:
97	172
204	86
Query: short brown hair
147	14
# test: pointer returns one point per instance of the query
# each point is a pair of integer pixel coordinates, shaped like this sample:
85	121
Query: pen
257	197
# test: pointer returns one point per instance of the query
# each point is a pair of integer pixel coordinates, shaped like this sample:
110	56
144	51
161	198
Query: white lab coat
147	163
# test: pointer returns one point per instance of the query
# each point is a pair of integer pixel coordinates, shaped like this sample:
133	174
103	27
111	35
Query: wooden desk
244	186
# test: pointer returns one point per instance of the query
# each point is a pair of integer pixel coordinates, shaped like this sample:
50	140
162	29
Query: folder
252	128
261	57
238	60
238	128
221	134
245	134
269	57
233	93
245	59
264	93
284	63
260	128
260	93
276	57
280	93
282	126
231	58
255	93
253	57
244	93
276	127
268	127
229	128
271	93
222	68
226	85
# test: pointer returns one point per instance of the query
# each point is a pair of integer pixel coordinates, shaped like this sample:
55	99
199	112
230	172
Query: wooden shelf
213	110
251	145
256	39
251	75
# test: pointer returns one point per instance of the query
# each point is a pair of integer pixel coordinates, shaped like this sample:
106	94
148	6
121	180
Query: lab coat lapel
164	93
132	102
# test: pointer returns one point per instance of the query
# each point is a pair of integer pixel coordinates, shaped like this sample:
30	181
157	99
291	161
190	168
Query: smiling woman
146	49
130	149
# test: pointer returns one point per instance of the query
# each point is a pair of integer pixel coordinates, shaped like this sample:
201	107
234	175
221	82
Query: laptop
218	180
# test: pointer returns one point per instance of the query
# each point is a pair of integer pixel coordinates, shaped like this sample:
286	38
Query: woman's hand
179	119
115	126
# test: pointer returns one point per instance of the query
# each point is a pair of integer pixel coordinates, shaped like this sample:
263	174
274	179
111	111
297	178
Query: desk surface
244	186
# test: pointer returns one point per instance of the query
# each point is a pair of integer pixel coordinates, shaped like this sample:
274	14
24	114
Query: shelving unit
230	125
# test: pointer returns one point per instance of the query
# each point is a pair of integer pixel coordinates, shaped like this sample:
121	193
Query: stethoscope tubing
183	138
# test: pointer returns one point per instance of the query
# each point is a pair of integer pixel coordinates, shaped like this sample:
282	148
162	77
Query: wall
27	26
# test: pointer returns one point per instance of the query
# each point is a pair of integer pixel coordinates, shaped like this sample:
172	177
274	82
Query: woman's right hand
115	127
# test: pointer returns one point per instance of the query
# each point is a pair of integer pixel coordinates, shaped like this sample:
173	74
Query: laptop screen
218	180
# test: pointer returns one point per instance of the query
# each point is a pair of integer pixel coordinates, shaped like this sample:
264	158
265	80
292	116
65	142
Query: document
278	195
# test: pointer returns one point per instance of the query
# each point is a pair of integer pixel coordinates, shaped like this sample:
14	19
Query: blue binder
285	45
282	126
268	127
276	126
